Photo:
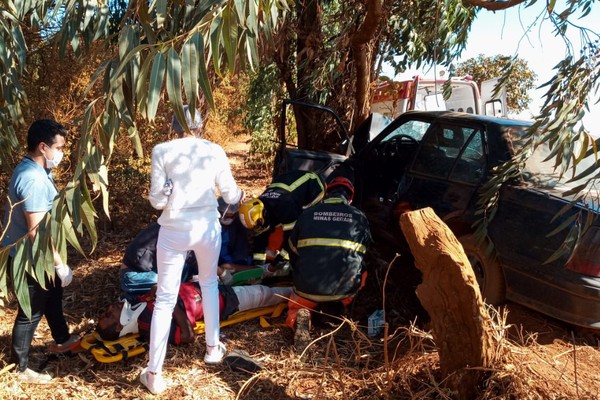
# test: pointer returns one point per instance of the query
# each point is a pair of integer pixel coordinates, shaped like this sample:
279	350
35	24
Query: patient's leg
254	296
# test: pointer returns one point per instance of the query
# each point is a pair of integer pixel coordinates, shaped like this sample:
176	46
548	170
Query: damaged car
442	160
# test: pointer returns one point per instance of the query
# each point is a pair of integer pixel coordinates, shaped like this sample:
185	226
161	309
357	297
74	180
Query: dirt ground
538	358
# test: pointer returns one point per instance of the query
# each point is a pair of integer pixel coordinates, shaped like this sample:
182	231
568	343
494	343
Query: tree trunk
461	325
309	50
362	52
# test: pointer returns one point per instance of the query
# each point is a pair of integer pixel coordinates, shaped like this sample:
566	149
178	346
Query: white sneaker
153	382
35	378
215	354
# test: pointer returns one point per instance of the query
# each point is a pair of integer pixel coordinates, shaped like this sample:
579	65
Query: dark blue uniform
284	200
327	246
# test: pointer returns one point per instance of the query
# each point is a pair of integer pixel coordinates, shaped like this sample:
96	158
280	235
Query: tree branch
493	5
367	30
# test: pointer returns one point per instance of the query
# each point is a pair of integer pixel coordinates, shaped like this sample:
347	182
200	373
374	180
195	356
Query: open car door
291	157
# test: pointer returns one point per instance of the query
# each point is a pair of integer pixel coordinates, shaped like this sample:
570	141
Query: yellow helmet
252	214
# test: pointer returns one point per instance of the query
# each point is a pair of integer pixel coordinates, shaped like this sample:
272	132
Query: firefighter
327	248
272	215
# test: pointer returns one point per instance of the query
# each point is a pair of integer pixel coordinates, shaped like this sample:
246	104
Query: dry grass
341	363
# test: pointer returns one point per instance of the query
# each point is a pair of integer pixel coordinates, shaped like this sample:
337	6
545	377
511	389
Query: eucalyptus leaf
189	60
4	254
161	12
203	78
174	85
565	224
156	82
19	278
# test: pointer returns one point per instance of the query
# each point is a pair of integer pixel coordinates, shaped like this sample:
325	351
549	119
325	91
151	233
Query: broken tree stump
461	325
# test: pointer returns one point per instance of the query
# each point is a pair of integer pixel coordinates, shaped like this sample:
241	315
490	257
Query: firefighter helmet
345	182
252	214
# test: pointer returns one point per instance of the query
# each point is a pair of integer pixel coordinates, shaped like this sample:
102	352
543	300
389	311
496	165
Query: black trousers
44	302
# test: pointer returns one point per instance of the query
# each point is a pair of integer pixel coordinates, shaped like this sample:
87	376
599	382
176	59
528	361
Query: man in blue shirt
31	192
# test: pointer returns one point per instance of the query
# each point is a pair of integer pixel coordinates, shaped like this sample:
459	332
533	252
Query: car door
289	156
447	170
383	163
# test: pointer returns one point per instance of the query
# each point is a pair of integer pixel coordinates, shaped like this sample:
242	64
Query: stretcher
130	345
109	351
241	316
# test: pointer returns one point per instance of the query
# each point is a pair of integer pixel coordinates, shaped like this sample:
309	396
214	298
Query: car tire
487	269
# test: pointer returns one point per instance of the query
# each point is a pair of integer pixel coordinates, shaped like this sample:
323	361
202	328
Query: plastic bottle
168	187
375	323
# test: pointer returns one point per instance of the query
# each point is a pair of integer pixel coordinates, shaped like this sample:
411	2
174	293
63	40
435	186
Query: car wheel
487	270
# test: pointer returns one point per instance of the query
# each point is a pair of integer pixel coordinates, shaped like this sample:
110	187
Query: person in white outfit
184	177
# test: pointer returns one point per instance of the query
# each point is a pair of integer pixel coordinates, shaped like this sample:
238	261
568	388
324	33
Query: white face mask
53	163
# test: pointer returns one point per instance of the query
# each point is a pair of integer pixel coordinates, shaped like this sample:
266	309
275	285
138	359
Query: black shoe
239	360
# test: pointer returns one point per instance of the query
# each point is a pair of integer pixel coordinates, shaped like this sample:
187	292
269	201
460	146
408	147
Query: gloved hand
279	262
64	273
226	277
281	269
266	270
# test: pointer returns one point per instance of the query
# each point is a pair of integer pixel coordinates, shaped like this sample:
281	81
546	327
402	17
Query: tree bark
362	53
283	58
309	49
494	5
461	325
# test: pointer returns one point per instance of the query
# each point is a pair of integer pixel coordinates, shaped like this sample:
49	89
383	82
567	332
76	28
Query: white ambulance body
394	98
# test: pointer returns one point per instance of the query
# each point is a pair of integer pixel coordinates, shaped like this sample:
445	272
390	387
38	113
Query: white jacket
196	167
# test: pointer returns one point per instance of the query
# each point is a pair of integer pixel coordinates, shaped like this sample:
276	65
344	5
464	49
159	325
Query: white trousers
171	250
253	296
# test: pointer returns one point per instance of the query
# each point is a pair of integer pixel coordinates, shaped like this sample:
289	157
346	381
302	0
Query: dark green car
441	160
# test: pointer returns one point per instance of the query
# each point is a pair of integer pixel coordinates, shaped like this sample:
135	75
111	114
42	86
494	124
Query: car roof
465	117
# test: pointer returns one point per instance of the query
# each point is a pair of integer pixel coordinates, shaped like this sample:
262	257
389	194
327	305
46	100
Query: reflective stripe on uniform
284	254
260	256
303	179
347	244
288	227
315	201
335	200
300	181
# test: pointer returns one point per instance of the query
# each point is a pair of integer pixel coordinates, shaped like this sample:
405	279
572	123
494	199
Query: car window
450	151
413	128
470	166
541	172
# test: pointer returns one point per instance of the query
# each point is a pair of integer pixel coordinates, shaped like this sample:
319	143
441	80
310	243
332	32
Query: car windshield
413	128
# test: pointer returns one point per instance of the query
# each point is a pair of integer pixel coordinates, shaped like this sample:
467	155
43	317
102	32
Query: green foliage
160	47
560	125
262	112
517	77
323	65
426	32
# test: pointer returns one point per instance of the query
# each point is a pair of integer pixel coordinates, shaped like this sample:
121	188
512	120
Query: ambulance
456	94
